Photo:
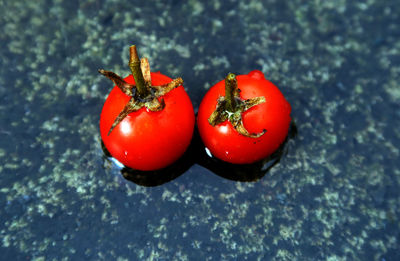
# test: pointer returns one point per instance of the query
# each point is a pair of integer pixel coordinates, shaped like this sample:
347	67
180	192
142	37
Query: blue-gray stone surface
335	195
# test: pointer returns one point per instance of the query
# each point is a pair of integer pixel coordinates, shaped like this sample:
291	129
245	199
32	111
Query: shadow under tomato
197	154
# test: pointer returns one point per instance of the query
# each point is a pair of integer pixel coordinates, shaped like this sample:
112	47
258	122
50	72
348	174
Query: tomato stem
230	89
143	94
134	64
231	107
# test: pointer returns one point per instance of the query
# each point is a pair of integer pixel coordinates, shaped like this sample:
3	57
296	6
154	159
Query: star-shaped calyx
142	93
231	107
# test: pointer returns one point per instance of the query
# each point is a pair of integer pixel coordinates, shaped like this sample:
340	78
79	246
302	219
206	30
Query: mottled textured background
335	195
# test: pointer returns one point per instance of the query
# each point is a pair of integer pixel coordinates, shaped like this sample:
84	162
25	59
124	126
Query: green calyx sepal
231	107
142	94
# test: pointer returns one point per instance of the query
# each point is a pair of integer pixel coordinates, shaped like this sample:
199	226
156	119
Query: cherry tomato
148	140
267	121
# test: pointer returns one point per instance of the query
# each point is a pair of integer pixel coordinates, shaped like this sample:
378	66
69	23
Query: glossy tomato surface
225	143
146	140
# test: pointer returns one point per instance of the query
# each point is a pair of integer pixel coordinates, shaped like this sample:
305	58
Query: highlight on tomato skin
255	128
147	132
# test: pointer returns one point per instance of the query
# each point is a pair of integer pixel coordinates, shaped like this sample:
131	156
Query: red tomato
273	115
146	140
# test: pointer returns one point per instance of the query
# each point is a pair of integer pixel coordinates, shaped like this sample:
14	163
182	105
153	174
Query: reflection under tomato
197	154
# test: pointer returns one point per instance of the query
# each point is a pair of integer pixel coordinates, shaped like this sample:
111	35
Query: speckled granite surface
334	196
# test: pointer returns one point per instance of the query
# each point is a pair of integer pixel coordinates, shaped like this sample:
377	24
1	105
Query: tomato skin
146	140
225	143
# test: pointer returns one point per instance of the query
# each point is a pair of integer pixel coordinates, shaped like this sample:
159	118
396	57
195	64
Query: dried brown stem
134	64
